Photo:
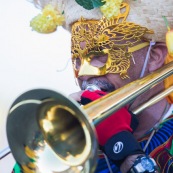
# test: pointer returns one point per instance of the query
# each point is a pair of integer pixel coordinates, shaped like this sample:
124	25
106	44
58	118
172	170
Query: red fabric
117	122
93	95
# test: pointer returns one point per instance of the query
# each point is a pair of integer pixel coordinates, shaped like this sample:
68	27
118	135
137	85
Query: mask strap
147	58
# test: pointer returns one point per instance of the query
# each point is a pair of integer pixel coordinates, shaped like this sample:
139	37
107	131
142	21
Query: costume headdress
130	25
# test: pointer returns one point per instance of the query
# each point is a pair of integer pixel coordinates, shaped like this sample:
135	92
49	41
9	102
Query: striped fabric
160	148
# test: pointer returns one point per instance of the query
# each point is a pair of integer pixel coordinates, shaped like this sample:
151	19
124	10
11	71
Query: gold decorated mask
111	42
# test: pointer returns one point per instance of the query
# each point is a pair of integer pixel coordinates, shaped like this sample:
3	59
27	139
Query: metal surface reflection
50	135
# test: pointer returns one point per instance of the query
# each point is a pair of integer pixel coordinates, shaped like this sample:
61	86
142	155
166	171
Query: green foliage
90	4
97	3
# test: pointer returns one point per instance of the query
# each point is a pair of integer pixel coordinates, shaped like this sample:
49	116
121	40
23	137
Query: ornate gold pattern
115	37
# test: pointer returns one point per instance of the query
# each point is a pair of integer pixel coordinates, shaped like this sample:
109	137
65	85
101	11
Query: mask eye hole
77	63
99	61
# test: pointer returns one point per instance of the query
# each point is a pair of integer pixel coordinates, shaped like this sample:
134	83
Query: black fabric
134	121
121	145
85	101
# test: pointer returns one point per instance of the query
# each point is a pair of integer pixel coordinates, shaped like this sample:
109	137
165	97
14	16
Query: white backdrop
29	60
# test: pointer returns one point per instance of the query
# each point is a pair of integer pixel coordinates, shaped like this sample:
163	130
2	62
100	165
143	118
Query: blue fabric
164	134
164	158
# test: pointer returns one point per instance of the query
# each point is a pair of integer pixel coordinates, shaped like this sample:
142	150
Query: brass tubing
102	108
47	118
153	100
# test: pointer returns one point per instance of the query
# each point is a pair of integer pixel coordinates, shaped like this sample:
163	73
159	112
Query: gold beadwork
117	36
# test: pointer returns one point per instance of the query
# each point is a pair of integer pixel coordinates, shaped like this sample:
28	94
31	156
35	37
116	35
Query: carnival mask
110	41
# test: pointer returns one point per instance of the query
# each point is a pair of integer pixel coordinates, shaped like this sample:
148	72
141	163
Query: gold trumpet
49	133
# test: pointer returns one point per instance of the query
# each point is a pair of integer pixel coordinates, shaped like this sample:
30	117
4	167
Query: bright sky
29	60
